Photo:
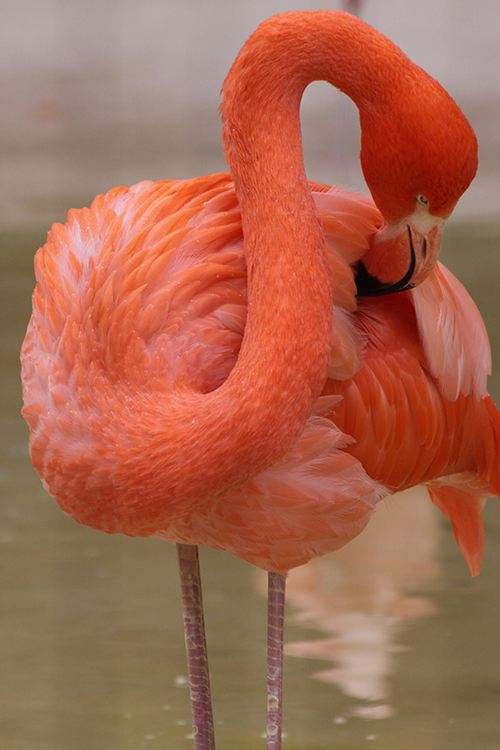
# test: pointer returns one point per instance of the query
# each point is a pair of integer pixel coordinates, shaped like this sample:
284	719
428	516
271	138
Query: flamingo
251	361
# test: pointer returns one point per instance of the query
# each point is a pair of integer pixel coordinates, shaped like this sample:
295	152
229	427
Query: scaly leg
196	647
275	623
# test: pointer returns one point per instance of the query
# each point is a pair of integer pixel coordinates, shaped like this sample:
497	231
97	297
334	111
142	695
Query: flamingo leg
275	627
196	647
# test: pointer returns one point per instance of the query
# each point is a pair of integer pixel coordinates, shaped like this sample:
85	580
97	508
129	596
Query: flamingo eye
422	199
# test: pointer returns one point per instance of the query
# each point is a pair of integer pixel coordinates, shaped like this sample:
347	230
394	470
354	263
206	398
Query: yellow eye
422	199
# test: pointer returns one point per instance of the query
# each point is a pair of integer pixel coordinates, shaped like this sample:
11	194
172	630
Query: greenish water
390	643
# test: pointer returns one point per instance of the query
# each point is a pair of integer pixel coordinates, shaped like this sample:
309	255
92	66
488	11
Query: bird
251	361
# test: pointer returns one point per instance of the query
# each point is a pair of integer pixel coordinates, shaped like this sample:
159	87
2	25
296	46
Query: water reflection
361	598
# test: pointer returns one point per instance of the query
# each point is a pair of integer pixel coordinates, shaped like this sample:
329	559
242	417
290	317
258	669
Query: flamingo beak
399	258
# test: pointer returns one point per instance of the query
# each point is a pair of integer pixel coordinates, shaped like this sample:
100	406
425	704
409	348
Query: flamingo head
418	157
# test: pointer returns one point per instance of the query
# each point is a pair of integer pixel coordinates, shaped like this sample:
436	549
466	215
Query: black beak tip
369	286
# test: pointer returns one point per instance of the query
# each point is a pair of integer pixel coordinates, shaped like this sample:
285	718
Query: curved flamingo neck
263	89
415	139
300	46
253	419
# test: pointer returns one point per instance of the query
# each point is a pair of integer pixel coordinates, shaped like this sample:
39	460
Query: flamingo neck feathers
415	140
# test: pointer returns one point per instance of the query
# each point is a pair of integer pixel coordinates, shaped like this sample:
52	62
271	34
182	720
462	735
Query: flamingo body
214	361
154	300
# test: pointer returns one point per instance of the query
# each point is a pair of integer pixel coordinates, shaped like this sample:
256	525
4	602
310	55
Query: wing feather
453	335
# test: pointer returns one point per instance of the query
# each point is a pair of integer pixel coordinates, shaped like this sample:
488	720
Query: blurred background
97	93
389	642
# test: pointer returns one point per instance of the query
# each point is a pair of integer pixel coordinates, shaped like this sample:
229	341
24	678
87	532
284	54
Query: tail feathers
464	509
461	497
492	452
